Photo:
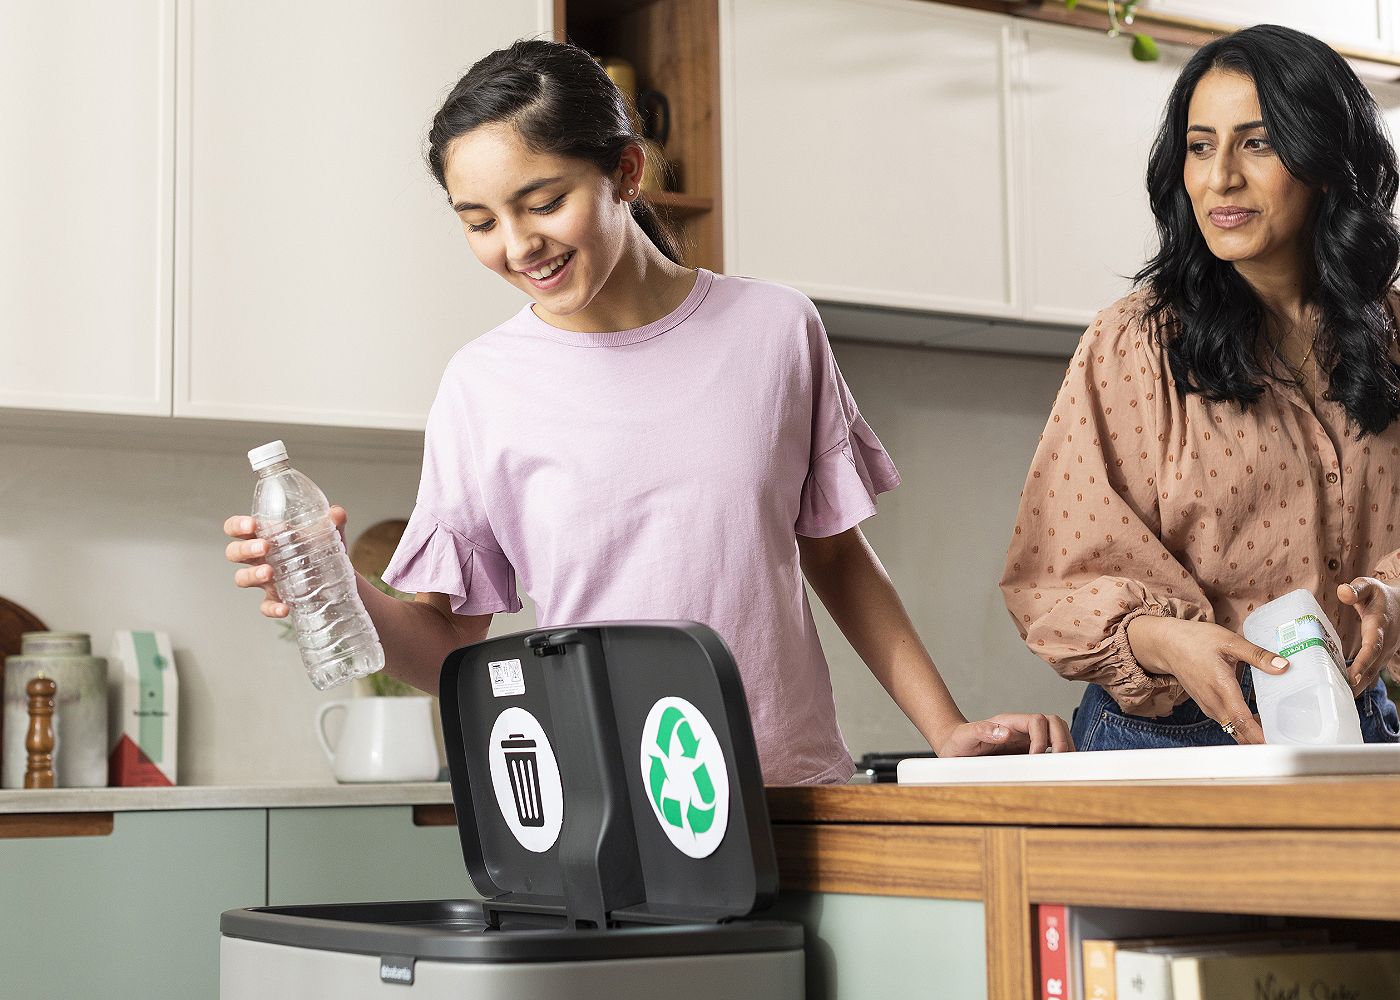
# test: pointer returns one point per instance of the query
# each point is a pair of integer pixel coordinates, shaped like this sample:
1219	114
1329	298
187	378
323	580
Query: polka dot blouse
1143	499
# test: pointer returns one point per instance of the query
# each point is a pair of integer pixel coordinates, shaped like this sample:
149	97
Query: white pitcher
383	739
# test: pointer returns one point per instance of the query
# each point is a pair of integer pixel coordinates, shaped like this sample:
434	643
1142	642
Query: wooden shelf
681	206
1307	847
674	46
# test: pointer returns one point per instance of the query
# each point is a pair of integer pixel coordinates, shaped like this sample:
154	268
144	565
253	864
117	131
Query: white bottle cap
269	454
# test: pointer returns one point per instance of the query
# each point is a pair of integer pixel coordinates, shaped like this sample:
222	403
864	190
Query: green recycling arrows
699	813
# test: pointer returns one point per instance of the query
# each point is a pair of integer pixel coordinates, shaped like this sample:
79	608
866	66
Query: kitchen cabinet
321	276
1088	115
361	854
864	152
87	96
131	914
1358	23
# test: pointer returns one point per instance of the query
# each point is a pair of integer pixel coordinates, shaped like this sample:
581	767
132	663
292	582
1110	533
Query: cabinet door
1089	113
1359	23
322	277
361	854
133	914
87	101
863	157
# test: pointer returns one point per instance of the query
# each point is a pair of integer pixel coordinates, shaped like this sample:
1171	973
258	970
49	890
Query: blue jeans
1099	724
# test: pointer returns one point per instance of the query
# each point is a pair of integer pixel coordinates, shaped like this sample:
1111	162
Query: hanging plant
1121	13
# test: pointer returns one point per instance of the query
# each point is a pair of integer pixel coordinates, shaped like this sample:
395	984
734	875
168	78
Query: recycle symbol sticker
685	775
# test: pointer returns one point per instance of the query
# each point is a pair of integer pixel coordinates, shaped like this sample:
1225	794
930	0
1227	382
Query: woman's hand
1203	657
1010	732
250	552
1378	604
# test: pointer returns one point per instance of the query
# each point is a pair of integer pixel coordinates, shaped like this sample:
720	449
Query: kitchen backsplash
124	530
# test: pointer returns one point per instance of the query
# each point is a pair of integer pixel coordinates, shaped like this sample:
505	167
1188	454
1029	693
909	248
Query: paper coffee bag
144	709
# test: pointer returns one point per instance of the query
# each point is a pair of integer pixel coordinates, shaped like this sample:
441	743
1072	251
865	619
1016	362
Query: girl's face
555	227
1249	207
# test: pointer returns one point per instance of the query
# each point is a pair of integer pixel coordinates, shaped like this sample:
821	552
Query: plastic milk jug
1310	703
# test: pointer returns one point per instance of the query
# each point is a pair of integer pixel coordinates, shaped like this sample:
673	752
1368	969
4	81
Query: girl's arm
853	585
417	635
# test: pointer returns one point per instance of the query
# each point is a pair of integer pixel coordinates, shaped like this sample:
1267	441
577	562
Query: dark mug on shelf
654	118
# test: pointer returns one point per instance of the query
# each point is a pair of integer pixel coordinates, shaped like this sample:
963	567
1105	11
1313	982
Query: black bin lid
607	773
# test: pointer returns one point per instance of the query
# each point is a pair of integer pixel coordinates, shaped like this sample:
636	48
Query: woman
1227	433
644	441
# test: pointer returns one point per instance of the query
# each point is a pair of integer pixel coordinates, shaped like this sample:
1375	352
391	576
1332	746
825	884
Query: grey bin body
564	829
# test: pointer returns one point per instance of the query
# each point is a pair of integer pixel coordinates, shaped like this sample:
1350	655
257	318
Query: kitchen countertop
268	796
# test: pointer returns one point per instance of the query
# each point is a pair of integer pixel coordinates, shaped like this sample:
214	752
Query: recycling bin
611	812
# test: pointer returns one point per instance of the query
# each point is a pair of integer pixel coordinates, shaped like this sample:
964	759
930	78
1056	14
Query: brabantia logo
396	969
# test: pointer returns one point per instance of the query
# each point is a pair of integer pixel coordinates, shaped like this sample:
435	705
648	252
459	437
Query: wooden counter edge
65	824
1352	801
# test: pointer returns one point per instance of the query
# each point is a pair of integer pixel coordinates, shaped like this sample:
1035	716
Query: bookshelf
1312	849
674	47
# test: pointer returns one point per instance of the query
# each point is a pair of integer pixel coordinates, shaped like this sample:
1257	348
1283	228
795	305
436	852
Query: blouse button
1332	564
1331	477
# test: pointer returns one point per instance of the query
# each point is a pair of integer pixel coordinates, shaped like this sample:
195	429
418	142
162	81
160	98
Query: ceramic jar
80	709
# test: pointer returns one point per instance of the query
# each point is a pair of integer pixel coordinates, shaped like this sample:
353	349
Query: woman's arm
853	585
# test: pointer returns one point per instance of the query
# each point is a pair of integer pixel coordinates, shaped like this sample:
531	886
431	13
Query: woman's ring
1229	727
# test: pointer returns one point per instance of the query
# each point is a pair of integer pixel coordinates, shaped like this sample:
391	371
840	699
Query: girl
1228	433
643	441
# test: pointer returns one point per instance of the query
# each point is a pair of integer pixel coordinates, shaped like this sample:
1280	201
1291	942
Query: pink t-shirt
657	473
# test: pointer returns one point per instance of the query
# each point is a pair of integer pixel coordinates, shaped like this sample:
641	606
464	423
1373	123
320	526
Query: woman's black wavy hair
1328	132
560	101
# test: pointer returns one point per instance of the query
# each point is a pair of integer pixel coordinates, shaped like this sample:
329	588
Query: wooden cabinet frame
1312	847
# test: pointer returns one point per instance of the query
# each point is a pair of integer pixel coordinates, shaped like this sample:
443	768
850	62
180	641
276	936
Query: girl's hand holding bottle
250	552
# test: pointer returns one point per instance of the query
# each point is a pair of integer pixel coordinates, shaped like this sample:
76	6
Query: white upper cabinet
321	276
864	151
87	101
1358	23
1088	115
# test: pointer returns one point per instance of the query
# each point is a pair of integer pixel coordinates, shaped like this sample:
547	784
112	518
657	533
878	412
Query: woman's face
1249	207
552	226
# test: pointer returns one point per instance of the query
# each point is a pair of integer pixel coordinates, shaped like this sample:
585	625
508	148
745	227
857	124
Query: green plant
1144	48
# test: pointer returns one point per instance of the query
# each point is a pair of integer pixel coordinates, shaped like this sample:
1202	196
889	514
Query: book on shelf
1143	969
1334	974
1063	967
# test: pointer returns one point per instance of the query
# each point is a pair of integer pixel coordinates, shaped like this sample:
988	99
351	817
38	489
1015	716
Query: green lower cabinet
361	854
130	916
889	946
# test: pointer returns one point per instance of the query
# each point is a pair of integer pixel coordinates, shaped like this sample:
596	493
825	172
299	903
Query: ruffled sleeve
449	546
849	467
434	558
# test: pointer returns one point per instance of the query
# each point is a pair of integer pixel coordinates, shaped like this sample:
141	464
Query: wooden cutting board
14	622
371	552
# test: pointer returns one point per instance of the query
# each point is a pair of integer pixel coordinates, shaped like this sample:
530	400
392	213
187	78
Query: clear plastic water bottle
312	572
1310	703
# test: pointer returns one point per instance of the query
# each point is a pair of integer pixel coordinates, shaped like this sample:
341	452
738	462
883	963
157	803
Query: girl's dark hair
560	102
1327	131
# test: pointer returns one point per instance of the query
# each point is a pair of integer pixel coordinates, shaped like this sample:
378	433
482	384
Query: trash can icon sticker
522	765
685	776
525	778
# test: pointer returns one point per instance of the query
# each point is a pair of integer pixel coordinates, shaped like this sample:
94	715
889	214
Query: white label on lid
525	778
507	678
686	777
